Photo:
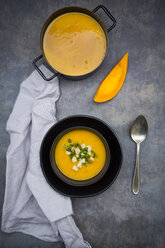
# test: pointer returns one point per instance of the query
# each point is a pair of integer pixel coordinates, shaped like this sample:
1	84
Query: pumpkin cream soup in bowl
80	156
74	44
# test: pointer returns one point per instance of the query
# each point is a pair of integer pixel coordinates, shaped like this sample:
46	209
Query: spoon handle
136	175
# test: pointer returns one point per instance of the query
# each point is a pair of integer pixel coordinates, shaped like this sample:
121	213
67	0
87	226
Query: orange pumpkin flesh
113	82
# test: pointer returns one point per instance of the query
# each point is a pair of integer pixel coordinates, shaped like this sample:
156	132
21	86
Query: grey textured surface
116	218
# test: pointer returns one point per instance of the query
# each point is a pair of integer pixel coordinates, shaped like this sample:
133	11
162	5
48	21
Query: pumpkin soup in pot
80	154
74	44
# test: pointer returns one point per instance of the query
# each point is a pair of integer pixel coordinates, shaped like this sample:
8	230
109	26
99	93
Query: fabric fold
31	206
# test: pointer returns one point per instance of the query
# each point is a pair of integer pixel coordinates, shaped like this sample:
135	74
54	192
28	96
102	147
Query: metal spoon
139	132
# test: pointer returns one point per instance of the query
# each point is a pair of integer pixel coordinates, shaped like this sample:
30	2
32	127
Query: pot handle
108	14
39	71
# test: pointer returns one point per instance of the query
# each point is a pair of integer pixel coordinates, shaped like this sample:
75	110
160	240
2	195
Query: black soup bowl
69	180
111	169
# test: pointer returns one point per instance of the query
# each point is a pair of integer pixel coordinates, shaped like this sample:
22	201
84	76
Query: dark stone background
116	218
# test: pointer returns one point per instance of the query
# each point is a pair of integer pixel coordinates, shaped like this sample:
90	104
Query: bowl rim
75	195
107	159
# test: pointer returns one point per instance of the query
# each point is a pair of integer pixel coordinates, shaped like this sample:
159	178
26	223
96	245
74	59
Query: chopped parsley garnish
69	141
80	154
94	154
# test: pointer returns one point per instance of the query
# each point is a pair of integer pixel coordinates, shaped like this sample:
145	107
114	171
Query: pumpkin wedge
113	82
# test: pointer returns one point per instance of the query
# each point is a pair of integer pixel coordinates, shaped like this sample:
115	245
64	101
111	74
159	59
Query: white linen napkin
31	206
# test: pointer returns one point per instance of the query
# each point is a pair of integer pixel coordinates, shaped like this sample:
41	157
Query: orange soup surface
80	154
74	44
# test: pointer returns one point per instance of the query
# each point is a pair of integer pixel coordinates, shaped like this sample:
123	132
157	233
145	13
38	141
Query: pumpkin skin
113	82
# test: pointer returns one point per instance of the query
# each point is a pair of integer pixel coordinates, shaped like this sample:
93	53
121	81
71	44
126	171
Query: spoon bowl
139	129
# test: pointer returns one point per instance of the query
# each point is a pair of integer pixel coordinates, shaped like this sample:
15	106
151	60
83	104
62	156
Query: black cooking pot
64	11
